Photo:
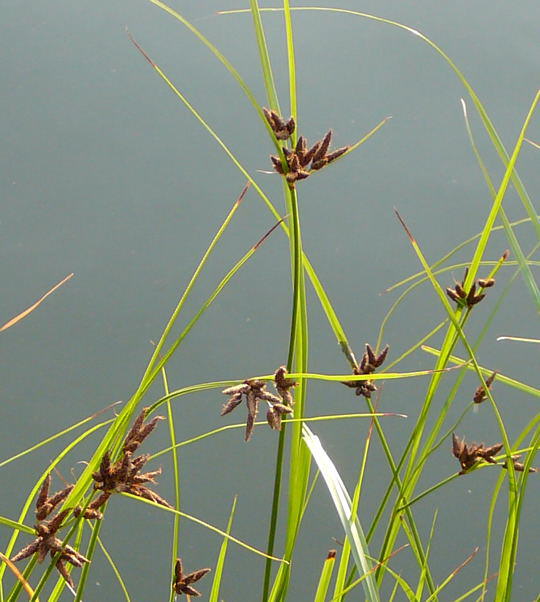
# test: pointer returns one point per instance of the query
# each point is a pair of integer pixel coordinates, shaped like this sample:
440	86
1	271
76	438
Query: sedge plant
69	522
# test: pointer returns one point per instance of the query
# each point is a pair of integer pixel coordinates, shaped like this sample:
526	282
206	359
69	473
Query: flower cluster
370	362
281	128
46	541
472	297
182	583
480	394
301	161
254	391
124	474
472	453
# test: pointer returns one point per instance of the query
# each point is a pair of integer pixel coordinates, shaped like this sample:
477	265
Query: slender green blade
325	577
343	505
218	573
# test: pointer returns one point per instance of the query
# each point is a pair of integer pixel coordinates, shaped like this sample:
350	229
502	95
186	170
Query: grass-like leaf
325	577
218	573
343	505
19	576
511	382
34	306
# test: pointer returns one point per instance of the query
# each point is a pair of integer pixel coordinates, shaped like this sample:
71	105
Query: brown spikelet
337	153
323	148
182	584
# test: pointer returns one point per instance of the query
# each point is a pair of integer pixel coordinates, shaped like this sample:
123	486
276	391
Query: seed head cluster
370	362
253	391
300	162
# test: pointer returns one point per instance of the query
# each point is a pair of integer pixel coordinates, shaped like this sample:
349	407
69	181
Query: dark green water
105	174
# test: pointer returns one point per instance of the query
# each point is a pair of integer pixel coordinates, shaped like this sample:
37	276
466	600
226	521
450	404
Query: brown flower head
46	542
254	391
470	454
281	128
370	362
182	583
284	385
302	161
45	504
124	474
469	298
274	414
480	394
519	466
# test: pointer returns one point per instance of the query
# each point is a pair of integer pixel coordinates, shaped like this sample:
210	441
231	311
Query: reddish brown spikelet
284	385
337	153
148	428
62	569
480	394
281	128
488	283
26	551
276	162
453	295
139	431
55	523
521	467
182	583
460	290
105	465
59	496
301	147
269	116
273	419
323	148
250	423
319	163
290	126
89	513
44	491
148	494
469	454
310	153
136	426
231	403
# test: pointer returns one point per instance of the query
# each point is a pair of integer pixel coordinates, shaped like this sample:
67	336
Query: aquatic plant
370	547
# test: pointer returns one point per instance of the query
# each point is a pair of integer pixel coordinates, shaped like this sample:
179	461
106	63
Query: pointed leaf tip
405	227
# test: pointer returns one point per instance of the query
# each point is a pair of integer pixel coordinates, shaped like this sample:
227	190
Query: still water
106	174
